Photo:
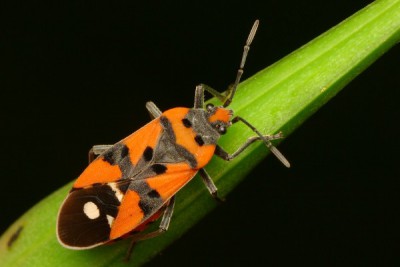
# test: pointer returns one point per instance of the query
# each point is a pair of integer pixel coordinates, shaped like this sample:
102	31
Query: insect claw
217	198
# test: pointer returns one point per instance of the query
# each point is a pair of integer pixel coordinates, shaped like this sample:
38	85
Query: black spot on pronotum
108	157
153	194
148	154
124	151
159	168
14	237
199	140
145	207
186	123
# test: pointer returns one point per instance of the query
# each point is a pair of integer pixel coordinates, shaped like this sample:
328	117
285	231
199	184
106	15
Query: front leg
220	152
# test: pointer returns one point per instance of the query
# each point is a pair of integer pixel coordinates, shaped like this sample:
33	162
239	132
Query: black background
78	74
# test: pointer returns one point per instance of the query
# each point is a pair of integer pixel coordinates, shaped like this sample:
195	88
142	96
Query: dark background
75	74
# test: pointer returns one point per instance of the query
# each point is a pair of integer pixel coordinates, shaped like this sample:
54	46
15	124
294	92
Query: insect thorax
198	119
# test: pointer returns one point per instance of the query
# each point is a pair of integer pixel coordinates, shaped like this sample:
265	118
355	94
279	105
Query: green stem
278	98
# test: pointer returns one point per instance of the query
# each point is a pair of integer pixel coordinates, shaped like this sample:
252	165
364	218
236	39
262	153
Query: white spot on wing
110	220
91	210
116	190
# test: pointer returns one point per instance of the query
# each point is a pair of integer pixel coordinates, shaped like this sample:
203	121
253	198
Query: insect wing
86	216
120	190
121	160
148	197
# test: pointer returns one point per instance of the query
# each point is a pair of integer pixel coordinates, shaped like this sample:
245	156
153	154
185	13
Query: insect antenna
270	146
239	74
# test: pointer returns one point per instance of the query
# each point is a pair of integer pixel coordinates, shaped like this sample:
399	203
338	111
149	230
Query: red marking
99	171
221	114
129	215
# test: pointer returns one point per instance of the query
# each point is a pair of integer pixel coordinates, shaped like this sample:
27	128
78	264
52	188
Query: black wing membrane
87	214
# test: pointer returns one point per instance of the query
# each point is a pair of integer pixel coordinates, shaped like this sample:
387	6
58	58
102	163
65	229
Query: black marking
124	151
145	207
123	186
118	155
201	126
148	154
122	159
14	237
159	168
153	194
108	157
170	135
75	229
186	123
166	124
150	200
199	140
190	158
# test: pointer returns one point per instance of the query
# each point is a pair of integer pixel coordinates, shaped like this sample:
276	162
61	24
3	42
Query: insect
133	182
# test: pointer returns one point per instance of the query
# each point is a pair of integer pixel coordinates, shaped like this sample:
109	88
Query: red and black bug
134	181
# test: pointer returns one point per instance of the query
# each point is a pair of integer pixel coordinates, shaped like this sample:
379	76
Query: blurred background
75	74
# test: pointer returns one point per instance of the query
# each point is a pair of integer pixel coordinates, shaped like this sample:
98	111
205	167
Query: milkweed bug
133	182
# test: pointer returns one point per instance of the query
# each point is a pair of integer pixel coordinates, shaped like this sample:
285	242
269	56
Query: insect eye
210	107
222	129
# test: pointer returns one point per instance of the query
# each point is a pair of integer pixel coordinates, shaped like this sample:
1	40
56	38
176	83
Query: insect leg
163	227
209	184
273	149
220	152
154	111
97	150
